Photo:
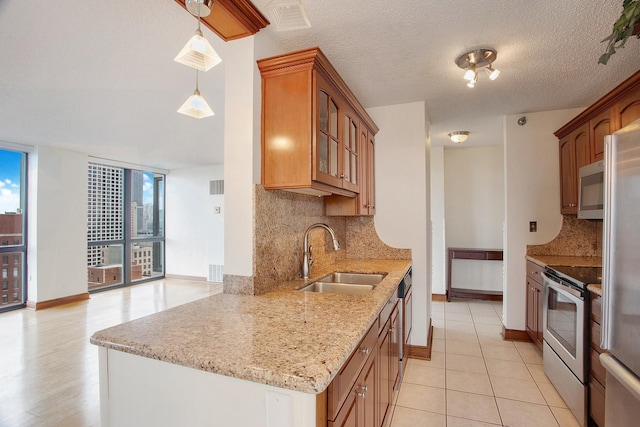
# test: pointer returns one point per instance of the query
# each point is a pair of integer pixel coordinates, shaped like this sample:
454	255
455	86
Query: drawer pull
365	351
362	391
361	394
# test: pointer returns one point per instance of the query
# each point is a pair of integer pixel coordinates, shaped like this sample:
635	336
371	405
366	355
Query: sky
9	180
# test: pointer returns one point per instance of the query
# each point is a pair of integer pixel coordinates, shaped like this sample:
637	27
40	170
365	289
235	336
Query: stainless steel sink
338	288
354	278
345	283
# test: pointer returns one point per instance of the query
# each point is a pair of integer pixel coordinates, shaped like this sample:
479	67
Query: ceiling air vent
288	15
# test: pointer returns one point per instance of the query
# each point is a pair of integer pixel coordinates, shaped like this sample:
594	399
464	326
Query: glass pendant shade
198	53
196	107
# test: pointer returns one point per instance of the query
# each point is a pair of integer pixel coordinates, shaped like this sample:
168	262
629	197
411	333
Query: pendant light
196	106
199	54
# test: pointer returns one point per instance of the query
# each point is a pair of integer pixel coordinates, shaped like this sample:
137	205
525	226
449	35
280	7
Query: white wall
532	193
474	212
402	196
438	245
57	224
194	232
243	95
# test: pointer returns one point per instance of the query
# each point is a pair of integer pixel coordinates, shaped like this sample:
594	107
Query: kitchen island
237	359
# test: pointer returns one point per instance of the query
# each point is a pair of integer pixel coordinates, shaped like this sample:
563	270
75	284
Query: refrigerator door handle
621	373
607	274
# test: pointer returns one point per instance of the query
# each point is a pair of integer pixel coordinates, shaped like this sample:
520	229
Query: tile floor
475	378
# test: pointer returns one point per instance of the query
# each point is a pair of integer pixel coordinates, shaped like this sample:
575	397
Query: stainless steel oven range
565	317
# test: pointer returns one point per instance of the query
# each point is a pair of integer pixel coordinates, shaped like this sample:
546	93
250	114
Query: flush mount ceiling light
459	136
198	52
196	106
476	59
288	15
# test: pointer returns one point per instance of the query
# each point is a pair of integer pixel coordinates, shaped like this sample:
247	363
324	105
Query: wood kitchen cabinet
575	152
362	392
535	301
581	141
597	372
364	202
311	123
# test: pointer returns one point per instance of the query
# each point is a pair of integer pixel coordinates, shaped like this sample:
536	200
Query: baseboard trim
41	305
515	334
182	277
439	297
422	352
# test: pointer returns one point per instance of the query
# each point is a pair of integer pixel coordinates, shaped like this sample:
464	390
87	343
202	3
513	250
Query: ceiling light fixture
198	52
476	59
196	106
459	136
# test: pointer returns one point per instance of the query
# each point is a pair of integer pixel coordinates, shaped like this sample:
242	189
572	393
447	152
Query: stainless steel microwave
591	191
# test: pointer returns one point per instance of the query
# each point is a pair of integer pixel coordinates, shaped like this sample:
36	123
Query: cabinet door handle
365	351
361	394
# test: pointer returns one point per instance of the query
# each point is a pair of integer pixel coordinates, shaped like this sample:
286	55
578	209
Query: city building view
12	244
107	223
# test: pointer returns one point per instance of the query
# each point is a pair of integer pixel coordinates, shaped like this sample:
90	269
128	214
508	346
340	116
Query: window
12	227
125	213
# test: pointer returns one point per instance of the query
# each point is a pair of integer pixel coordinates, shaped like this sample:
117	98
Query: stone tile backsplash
280	221
577	237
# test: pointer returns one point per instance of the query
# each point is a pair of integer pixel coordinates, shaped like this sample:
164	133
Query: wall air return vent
216	187
288	15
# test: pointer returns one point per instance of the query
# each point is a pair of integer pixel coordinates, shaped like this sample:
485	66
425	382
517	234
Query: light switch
533	226
216	210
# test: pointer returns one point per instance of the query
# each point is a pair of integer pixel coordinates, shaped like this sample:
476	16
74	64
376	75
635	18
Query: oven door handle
563	289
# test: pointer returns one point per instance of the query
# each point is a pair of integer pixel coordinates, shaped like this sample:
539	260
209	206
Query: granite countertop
572	261
285	338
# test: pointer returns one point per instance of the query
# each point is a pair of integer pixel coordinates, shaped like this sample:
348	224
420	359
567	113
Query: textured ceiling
101	79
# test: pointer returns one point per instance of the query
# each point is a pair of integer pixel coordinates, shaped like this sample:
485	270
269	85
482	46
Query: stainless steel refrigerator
621	277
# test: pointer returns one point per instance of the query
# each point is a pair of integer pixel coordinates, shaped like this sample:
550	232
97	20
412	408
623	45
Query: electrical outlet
216	210
533	226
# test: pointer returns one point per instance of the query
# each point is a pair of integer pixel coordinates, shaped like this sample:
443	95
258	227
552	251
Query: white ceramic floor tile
462	317
531	355
438	332
424	375
462	422
457	325
465	348
472	406
515	389
424	398
487	320
507	368
564	417
455	335
437	306
500	352
456	307
437	361
438	345
459	362
537	372
551	395
523	414
407	417
469	382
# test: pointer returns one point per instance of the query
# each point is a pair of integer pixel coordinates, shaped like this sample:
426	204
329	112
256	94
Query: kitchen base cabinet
535	300
597	372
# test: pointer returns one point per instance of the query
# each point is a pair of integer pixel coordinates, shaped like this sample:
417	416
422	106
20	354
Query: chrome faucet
308	254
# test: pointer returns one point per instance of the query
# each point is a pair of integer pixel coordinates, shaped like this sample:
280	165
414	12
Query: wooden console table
477	254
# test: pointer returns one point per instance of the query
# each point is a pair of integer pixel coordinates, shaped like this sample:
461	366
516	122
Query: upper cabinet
311	127
581	141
